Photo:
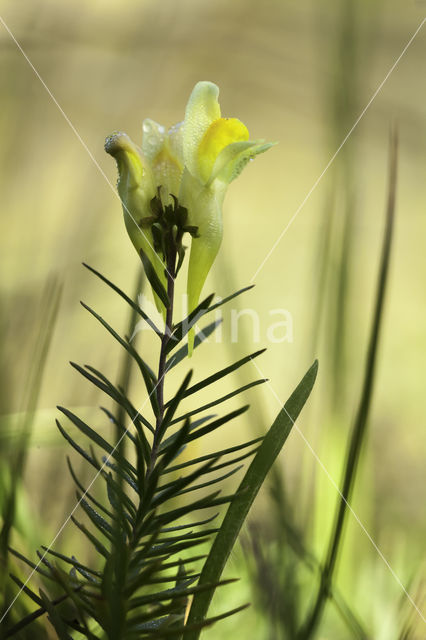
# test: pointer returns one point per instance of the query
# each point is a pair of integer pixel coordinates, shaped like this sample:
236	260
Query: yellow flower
195	161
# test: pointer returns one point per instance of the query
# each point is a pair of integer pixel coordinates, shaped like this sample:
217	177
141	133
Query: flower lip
220	134
119	141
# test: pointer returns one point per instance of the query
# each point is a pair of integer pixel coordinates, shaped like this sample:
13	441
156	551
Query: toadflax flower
194	161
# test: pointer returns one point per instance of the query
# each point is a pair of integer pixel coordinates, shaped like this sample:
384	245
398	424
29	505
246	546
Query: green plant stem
359	430
122	567
171	266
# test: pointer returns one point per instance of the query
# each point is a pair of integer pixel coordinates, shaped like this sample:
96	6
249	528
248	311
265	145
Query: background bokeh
297	73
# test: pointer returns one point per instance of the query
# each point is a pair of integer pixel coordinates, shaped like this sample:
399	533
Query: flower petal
153	137
220	134
233	158
202	109
204	250
136	188
166	166
131	168
175	134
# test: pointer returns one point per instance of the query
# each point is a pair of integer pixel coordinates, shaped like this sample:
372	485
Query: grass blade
360	426
245	495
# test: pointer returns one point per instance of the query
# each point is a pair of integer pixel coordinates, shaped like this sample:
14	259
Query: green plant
150	580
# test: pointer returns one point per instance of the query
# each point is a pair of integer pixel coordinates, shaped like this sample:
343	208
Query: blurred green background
300	74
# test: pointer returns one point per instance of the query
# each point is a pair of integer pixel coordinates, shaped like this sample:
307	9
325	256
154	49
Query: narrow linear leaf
224	398
175	446
122	428
175	487
117	496
72	561
245	495
167	594
212	500
96	438
125	297
171	440
187	536
220	303
118	470
170	578
31	564
200	336
216	423
54	617
222	373
198	626
170	549
100	523
173	405
102	382
146	371
181	561
81	451
221	453
182	328
232	461
210	482
191	525
97	545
